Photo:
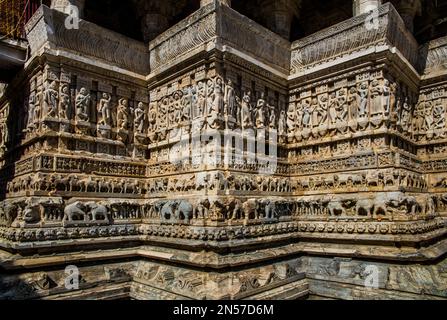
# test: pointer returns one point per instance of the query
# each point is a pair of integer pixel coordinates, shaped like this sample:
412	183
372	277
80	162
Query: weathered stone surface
221	161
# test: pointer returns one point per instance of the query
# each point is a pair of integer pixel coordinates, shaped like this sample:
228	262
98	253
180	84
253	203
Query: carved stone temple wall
221	161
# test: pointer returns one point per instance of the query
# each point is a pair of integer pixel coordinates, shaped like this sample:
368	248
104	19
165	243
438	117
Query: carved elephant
201	209
97	212
75	212
270	209
31	214
250	208
335	208
177	210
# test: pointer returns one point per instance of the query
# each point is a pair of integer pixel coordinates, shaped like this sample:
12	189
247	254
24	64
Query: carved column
64	6
278	15
365	6
408	9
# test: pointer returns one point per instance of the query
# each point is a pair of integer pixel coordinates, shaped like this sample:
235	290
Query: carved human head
83	91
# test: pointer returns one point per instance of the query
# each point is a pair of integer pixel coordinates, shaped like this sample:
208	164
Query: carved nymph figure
105	109
139	118
246	121
64	102
82	105
363	95
230	99
123	114
50	101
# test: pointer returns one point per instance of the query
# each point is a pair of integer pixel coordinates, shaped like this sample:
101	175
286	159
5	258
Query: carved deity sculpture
201	100
314	112
246	121
272	115
64	103
105	111
139	118
209	96
4	132
123	114
405	114
50	101
342	110
31	107
187	102
376	91
387	92
219	95
291	117
363	95
282	123
322	109
163	112
176	115
152	117
82	104
439	115
428	115
230	99
353	104
333	107
260	112
37	106
306	119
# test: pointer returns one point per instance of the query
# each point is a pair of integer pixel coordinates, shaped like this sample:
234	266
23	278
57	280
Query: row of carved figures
389	204
57	104
352	106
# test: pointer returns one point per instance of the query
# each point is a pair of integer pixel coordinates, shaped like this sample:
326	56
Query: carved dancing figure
333	106
50	101
353	103
376	92
230	99
123	114
260	112
64	102
139	118
439	115
104	109
31	107
363	95
82	104
246	121
322	108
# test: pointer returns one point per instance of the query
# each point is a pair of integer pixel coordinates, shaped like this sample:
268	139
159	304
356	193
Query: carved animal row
383	204
369	179
209	181
226	209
